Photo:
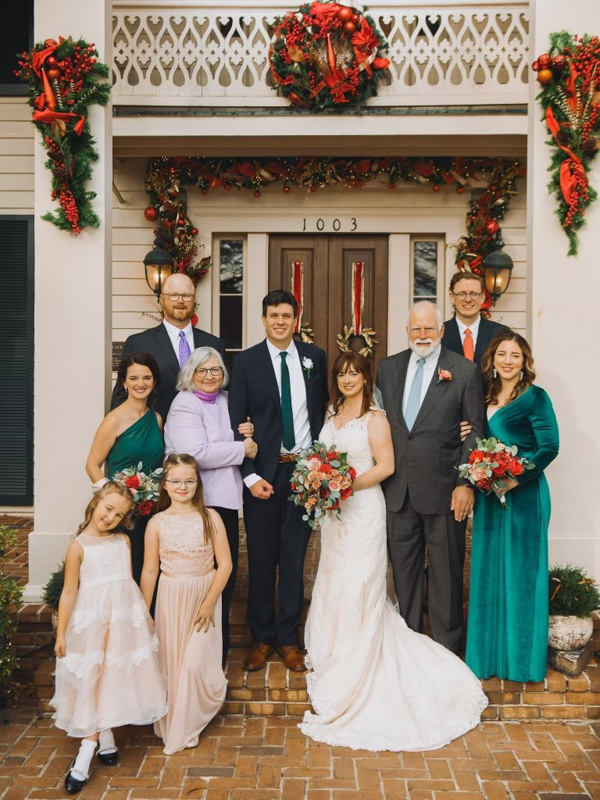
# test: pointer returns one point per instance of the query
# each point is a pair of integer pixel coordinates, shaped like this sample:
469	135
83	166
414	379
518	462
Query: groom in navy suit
282	386
468	333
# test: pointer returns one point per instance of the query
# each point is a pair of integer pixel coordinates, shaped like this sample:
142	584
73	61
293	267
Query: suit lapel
436	387
265	362
483	340
454	340
302	353
399	382
165	345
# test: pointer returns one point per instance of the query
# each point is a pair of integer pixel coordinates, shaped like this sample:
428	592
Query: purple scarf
207	397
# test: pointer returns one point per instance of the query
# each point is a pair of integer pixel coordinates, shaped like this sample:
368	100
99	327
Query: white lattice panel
200	54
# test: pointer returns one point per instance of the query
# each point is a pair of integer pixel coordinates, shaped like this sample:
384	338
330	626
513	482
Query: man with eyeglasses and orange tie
468	333
171	342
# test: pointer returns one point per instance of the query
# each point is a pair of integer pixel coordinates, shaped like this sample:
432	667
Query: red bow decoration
572	171
321	9
45	103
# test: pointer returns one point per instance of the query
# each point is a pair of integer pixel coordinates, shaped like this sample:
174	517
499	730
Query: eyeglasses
428	331
202	372
175	297
470	295
177	484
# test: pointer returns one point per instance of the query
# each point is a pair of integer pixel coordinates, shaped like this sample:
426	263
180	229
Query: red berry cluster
69	206
75	69
322	24
579	199
585	60
295	33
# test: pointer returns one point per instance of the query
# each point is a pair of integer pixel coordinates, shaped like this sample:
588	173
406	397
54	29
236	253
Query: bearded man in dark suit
282	386
427	391
468	333
171	342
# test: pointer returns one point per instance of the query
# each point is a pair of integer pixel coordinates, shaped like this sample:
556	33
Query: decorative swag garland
63	80
327	56
570	77
167	177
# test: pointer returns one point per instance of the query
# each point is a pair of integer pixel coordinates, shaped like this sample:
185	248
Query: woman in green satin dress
129	434
507	633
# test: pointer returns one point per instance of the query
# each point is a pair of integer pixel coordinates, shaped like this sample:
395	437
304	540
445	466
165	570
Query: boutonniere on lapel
444	375
307	365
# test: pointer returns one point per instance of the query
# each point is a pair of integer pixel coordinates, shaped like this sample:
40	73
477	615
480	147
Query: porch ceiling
265	136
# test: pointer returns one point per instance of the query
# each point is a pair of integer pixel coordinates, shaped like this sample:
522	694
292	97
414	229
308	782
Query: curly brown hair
492	382
362	365
111	487
164	501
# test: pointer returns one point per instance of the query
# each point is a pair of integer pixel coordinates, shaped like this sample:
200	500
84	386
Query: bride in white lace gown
375	684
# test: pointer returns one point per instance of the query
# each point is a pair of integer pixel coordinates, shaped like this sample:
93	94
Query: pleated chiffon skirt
196	684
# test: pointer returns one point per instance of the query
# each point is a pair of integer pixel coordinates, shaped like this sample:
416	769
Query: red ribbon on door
298	290
358	295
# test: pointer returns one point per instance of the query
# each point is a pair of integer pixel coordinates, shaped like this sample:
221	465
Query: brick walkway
259	758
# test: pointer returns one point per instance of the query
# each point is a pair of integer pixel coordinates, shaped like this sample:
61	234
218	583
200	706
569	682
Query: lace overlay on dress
375	684
182	551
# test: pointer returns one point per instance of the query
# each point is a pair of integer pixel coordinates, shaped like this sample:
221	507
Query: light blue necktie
413	404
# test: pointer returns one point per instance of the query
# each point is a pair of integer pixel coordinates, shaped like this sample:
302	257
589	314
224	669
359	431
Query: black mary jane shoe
109	759
73	784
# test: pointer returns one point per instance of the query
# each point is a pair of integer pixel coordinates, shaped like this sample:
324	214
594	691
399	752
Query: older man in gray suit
427	391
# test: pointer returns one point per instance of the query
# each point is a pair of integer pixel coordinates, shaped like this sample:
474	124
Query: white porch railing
200	53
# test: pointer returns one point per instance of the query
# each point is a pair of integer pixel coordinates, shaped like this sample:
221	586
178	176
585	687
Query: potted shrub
10	599
52	591
573	597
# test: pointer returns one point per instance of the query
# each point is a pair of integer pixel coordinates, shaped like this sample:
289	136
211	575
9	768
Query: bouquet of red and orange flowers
490	464
321	480
144	488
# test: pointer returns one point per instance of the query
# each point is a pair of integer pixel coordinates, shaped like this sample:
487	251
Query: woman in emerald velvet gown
507	633
128	435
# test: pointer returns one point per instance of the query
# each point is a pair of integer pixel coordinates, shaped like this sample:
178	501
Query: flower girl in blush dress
186	538
107	669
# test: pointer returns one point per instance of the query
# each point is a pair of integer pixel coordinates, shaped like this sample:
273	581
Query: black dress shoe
110	758
74	784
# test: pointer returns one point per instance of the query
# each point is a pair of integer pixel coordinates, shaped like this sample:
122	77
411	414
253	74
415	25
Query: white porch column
564	295
72	319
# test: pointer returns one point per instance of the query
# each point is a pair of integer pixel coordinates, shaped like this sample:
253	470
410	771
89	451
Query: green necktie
287	415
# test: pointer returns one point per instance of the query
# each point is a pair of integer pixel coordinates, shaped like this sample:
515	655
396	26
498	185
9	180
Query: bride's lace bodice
352	438
183	547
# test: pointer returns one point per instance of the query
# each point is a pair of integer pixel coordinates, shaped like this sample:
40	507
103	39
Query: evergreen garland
166	179
65	78
570	76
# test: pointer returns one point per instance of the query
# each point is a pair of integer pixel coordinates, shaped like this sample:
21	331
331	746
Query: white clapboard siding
213	214
16	156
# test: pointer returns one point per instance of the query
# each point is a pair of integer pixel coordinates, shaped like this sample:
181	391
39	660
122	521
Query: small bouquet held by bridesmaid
490	464
144	488
321	480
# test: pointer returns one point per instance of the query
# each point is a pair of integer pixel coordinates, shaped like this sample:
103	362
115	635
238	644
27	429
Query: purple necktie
184	349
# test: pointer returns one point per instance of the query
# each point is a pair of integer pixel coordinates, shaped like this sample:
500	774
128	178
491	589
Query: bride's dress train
375	684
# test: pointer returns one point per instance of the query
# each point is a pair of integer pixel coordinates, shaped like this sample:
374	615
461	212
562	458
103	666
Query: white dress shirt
429	370
302	432
174	336
474	328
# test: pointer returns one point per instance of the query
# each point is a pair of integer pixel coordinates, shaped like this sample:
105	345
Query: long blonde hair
164	501
112	487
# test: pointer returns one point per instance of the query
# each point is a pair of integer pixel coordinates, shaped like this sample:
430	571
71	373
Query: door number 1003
335	225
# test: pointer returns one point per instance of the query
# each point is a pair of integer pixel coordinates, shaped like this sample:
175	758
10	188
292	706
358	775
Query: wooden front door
327	297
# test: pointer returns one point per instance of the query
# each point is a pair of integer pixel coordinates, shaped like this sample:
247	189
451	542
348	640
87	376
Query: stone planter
569	633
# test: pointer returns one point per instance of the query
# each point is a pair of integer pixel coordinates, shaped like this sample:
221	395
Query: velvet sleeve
545	430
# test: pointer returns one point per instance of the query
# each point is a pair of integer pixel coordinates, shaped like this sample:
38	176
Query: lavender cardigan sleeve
203	431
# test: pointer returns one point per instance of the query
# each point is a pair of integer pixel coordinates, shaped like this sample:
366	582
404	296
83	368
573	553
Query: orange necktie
468	347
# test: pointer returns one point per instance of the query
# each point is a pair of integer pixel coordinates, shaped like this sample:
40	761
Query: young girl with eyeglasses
107	668
185	539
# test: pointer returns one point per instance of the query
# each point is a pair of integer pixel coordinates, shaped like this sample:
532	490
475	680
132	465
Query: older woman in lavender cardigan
198	424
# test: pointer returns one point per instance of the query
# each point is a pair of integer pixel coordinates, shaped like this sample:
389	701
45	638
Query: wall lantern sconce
158	265
497	269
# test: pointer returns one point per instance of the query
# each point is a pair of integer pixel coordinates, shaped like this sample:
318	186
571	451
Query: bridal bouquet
321	480
144	488
490	464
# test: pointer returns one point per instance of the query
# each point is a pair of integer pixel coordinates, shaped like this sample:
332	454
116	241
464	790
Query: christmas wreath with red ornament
327	56
64	79
570	97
